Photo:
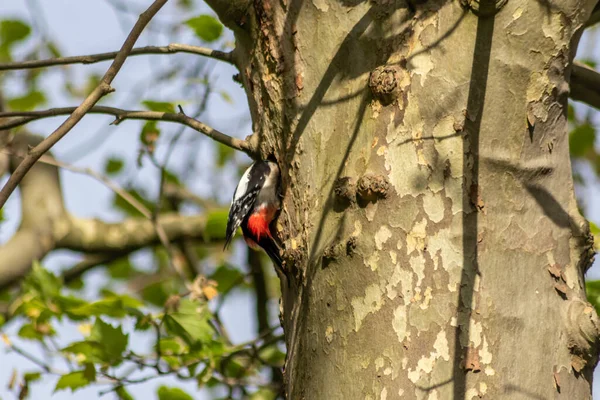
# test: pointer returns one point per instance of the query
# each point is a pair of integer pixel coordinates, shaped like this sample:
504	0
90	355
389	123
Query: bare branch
95	58
141	208
42	209
46	225
94	236
585	84
101	90
594	17
19	118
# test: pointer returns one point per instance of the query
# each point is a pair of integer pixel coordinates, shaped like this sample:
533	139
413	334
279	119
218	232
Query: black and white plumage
254	205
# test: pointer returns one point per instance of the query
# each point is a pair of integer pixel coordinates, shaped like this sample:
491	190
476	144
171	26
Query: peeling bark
462	110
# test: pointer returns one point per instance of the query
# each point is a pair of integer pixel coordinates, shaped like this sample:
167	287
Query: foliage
188	340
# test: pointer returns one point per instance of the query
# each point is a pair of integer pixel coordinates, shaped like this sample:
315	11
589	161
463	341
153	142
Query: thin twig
32	358
135	203
20	118
94	58
100	91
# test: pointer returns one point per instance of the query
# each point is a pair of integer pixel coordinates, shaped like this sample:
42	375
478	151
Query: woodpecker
255	204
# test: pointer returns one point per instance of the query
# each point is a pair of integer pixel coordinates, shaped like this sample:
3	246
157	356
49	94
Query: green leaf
53	50
263	394
74	381
581	139
226	97
113	339
69	302
115	306
13	31
172	393
113	165
571	117
122	268
28	102
42	281
185	4
592	289
157	293
32	376
170	346
170	177
216	223
206	27
273	356
160	106
143	322
150	134
92	351
589	62
190	322
123	394
226	277
90	372
225	154
27	331
127	208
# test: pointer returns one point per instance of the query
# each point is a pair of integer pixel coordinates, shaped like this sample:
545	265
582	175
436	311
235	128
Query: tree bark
434	246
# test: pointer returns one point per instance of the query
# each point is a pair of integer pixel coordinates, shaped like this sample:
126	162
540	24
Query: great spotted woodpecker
255	204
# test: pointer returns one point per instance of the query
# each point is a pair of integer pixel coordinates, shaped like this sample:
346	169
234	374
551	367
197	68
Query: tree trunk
434	246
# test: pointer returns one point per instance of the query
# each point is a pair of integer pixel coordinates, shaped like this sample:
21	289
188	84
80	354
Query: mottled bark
434	245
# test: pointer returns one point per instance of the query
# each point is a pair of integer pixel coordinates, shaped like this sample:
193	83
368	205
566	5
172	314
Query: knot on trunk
344	190
583	328
370	188
339	249
385	83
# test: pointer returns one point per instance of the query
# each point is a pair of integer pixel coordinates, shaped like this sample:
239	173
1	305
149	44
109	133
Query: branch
585	85
141	208
95	236
594	17
20	118
46	225
42	209
94	58
100	91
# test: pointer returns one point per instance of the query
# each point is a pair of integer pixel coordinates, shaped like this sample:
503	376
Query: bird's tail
272	249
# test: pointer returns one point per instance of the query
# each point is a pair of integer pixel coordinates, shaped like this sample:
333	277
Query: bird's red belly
258	224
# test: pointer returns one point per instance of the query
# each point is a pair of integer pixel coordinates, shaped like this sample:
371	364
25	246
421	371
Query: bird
255	203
